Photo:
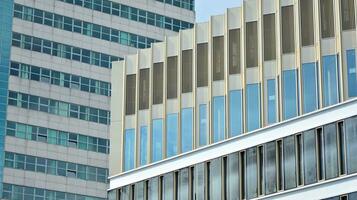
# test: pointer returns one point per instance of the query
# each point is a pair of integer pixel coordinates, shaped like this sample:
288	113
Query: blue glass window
253	106
129	149
235	113
271	101
143	145
330	80
203	126
186	129
309	87
290	94
157	131
351	73
218	118
171	134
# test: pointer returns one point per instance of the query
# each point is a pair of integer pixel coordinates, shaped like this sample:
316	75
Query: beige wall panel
286	2
143	118
234	17
269	6
288	61
218	88
144	58
349	40
186	39
172	106
235	82
201	32
252	75
251	11
187	100
130	121
328	46
270	69
202	95
217	25
158	52
308	54
172	46
157	111
131	64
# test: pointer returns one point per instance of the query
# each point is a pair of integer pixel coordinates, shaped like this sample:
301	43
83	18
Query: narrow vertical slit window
327	18
251	47
307	22
310	159
144	87
218	58
270	168
130	94
158	79
261	174
288	31
269	37
186	75
342	147
289	163
280	165
234	51
320	155
348	14
202	65
232	177
171	89
242	174
299	155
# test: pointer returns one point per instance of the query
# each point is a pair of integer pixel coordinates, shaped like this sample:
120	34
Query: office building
256	103
55	88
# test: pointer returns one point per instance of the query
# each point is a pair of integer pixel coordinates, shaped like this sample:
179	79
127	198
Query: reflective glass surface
218	118
186	129
309	87
235	113
271	101
330	80
253	106
203	125
157	132
290	94
129	149
171	134
351	73
143	145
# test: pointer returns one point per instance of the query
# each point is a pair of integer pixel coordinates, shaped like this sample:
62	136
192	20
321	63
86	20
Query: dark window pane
289	163
307	22
251	45
144	86
234	51
158	83
331	160
202	65
269	37
172	77
310	162
252	173
270	168
288	39
348	14
218	58
130	94
327	18
186	74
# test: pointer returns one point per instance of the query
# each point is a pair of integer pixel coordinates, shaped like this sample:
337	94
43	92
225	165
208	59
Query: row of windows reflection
58	78
131	13
302	159
62	50
81	27
187	4
233	104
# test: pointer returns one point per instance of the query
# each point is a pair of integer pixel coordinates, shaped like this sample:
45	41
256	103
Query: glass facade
157	133
203	125
187	4
143	145
330	80
186	129
253	107
351	73
235	113
131	13
218	118
290	98
171	134
309	87
276	166
271	101
129	149
6	10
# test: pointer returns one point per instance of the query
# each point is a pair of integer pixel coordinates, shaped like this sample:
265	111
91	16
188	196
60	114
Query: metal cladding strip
302	123
6	10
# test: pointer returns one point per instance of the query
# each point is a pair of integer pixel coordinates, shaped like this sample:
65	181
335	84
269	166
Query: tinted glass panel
144	89
330	142
310	157
130	94
235	113
269	37
215	177
171	88
271	101
288	39
186	71
203	125
157	132
232	177
186	129
183	185
199	188
270	168
290	94
168	187
234	51
309	87
351	73
253	106
153	189
218	58
158	83
351	144
252	173
307	22
202	65
327	18
171	134
129	144
289	162
143	145
251	47
330	80
218	118
348	14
